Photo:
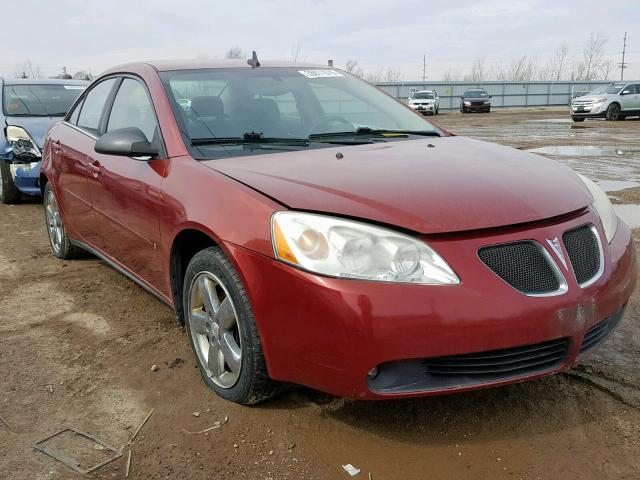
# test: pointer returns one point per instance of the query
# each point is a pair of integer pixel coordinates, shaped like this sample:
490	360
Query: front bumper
26	177
486	107
590	110
424	108
327	333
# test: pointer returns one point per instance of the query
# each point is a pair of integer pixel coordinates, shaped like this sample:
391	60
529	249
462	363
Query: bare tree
522	69
478	71
593	65
376	76
296	52
452	75
351	66
235	52
558	63
392	75
28	69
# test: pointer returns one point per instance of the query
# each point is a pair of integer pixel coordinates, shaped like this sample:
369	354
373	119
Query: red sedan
308	228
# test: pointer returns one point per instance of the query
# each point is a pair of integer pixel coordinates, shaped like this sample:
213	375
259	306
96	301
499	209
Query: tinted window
39	100
132	108
476	94
279	102
633	88
424	95
73	118
89	118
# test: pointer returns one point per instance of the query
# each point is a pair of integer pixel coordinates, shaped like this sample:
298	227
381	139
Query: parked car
425	102
475	100
613	102
29	108
361	251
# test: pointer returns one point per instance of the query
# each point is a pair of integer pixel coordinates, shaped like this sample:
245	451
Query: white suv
425	101
613	102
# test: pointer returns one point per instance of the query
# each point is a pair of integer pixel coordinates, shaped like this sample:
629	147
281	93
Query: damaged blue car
29	108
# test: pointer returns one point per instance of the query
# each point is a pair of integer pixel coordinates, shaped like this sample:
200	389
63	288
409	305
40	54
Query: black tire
613	112
8	191
253	384
62	249
577	119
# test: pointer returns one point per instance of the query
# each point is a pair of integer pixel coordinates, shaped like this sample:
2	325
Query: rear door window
93	105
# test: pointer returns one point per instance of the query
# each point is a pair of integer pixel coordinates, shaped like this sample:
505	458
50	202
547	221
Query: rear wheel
60	243
613	112
8	191
222	330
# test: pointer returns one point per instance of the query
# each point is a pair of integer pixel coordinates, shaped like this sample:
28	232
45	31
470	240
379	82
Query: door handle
95	168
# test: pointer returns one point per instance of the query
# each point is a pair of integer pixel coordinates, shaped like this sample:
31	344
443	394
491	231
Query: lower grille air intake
470	369
523	265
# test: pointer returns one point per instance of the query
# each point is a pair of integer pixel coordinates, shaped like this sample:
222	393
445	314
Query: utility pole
424	68
623	65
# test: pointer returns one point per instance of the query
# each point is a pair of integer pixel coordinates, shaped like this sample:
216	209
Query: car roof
169	65
42	81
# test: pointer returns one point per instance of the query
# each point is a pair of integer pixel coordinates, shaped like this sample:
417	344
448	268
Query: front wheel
613	112
577	119
222	330
8	191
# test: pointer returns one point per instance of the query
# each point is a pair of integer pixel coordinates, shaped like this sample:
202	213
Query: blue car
29	108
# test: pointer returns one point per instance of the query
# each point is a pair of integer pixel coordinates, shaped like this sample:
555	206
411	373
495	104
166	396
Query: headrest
264	110
207	106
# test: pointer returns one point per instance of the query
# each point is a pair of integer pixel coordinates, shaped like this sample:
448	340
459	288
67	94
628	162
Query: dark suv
475	100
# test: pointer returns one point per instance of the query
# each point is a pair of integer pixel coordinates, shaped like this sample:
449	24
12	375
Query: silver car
613	102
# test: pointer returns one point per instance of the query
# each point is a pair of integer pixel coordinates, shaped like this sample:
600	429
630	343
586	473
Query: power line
623	65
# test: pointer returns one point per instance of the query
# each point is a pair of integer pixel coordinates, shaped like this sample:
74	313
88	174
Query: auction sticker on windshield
320	73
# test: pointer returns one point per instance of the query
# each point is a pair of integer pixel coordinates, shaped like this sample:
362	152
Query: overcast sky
93	35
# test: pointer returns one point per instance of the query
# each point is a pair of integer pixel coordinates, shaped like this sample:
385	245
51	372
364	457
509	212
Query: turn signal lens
283	250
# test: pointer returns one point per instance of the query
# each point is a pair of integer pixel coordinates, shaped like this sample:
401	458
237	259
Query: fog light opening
373	373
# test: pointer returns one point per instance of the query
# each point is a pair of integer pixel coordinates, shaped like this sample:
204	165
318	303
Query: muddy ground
77	342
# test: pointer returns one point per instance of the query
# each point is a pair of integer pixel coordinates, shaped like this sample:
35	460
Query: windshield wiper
364	131
247	138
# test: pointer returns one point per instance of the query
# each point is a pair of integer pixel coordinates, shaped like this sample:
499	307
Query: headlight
22	143
467	103
602	205
347	249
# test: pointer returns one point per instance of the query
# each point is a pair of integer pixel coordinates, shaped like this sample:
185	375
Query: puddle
554	120
588	151
629	213
616	185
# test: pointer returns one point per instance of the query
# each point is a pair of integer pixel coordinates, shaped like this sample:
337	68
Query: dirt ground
77	342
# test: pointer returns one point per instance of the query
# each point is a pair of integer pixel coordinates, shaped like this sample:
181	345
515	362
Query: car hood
37	127
591	98
434	185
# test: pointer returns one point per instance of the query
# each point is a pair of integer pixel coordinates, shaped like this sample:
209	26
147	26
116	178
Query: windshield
39	100
607	89
424	95
281	103
476	94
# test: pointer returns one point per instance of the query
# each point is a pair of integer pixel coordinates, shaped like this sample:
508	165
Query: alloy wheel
55	227
215	330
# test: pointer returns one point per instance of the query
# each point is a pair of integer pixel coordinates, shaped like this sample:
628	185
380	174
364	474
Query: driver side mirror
625	92
126	142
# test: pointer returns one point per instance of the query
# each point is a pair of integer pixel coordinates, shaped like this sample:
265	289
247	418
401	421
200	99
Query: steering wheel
327	122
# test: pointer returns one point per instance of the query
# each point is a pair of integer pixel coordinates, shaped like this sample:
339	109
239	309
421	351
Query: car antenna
253	61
